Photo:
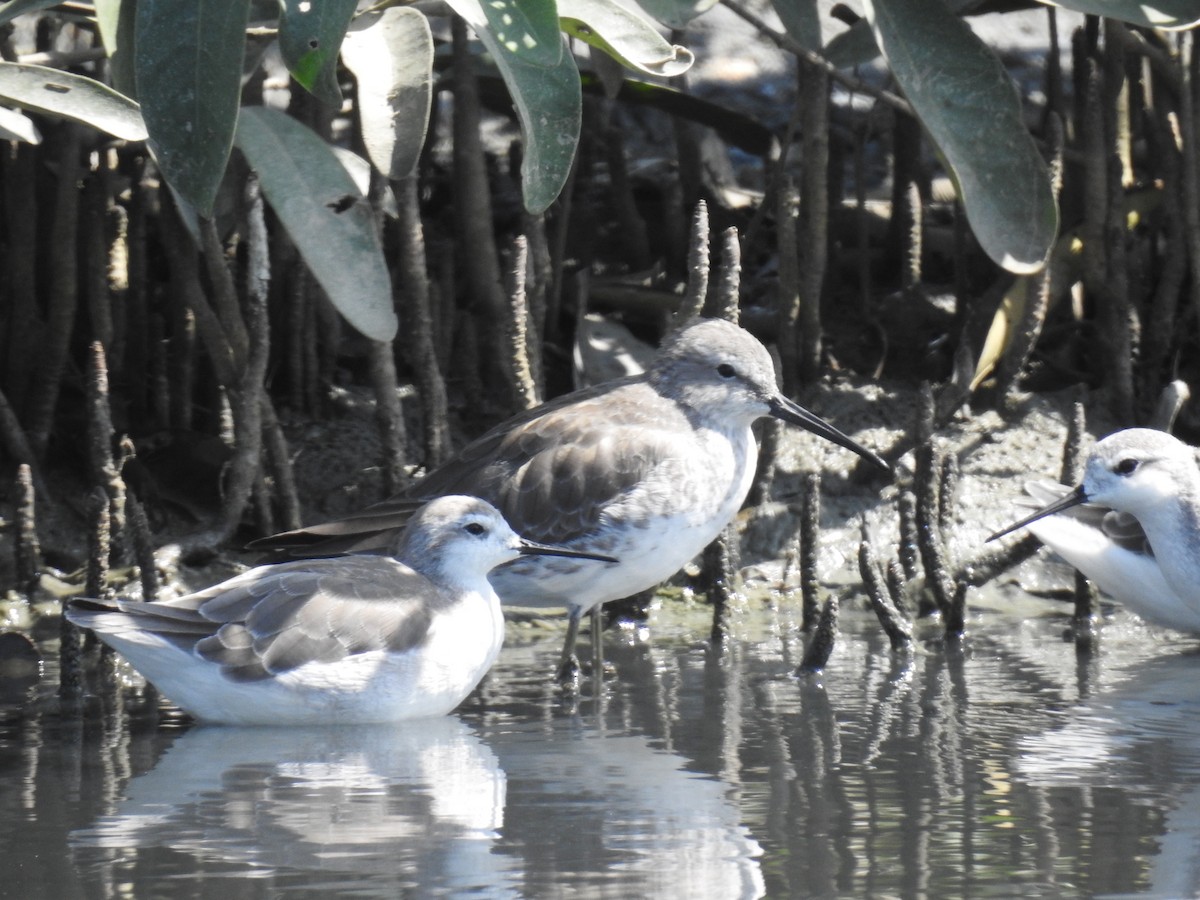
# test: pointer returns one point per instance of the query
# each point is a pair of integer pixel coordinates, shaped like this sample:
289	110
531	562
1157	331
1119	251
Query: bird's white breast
1136	580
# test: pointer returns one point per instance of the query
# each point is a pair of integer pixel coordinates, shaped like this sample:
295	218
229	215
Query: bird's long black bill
1075	498
784	409
533	548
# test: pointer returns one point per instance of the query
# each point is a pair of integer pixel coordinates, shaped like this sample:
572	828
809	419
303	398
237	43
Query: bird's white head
1138	470
457	534
458	539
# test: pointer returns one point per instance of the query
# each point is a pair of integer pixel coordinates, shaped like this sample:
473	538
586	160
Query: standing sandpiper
1132	526
647	468
354	639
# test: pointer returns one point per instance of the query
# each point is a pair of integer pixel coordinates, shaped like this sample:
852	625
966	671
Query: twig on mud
810	536
724	303
898	630
820	647
143	548
697	282
27	548
517	362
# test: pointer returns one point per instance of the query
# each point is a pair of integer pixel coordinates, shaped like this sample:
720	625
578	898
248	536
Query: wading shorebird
350	639
648	468
1132	525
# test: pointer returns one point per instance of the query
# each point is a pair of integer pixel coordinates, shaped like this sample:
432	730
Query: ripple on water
1003	764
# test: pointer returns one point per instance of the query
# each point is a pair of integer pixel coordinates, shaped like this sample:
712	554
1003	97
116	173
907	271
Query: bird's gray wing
549	469
1124	530
551	475
273	619
373	529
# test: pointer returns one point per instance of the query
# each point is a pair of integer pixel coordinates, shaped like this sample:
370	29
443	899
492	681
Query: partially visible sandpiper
354	639
1132	526
647	468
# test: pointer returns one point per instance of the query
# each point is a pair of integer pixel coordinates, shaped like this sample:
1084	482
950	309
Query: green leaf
325	214
116	19
1168	14
966	101
310	34
675	13
14	8
188	63
802	20
856	45
549	104
391	56
527	30
624	35
16	127
68	96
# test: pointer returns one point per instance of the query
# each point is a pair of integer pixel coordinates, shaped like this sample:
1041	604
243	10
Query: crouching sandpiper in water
352	639
1132	525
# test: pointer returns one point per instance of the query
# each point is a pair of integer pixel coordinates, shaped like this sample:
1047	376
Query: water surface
1004	765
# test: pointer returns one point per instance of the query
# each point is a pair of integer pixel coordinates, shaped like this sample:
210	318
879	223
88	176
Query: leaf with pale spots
325	214
526	30
391	56
188	66
70	96
549	102
310	35
625	35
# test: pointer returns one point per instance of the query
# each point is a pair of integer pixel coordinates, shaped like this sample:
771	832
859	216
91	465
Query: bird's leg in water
597	647
568	664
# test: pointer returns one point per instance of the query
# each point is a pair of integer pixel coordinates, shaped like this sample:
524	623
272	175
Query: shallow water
1002	766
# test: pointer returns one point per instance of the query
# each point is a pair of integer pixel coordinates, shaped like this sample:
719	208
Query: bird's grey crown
422	544
712	342
1142	446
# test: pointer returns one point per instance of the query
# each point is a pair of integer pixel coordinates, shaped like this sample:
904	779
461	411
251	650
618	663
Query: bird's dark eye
725	370
474	528
1126	467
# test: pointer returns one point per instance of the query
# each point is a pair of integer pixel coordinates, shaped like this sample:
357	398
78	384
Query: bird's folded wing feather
273	619
551	470
554	475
